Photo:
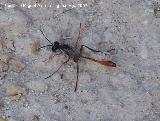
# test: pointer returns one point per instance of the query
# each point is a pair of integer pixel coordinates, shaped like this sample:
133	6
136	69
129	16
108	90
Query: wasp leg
58	68
51	57
76	87
93	50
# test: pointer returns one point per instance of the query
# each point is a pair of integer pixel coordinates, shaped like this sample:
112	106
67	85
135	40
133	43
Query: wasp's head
55	46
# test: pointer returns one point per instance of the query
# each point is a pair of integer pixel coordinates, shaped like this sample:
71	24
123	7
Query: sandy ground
129	92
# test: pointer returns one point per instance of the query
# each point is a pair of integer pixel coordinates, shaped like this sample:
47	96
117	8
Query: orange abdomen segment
107	63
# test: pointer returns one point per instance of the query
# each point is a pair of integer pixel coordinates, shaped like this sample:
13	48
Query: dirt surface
129	92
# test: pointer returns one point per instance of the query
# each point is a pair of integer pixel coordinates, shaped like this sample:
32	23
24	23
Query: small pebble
16	66
66	107
55	101
14	90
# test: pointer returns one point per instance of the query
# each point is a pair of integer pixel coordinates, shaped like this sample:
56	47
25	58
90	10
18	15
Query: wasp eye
56	44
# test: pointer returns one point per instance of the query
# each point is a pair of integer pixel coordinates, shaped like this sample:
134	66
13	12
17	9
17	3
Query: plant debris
15	90
35	47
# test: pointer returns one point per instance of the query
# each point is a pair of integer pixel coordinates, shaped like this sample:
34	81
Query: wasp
74	54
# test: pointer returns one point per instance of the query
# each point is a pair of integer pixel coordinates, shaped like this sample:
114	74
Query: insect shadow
73	53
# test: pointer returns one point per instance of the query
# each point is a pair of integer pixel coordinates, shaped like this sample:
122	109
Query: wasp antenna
46	37
44	47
